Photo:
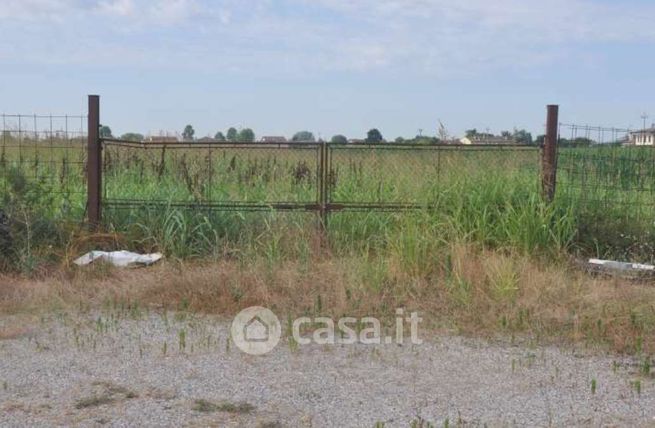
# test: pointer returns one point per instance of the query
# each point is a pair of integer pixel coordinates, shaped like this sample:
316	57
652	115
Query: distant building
207	140
490	140
645	137
356	141
162	139
274	140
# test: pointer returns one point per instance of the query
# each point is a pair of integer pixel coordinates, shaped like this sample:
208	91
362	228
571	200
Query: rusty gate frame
323	205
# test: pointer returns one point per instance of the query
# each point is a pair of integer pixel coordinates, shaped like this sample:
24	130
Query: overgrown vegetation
489	255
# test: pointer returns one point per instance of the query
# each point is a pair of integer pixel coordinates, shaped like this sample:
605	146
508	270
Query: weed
182	340
646	366
93	401
420	423
206	406
105	393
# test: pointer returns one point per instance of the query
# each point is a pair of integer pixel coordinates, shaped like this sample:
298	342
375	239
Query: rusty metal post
94	164
323	187
549	153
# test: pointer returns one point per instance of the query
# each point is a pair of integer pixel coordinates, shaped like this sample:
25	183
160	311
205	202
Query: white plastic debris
622	266
119	258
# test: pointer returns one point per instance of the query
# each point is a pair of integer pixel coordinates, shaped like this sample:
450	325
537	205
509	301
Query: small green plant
646	366
594	385
206	406
182	340
420	423
637	386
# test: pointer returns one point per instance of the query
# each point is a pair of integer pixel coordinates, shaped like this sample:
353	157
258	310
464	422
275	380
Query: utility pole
644	116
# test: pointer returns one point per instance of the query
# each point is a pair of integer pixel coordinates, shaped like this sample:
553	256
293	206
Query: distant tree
188	133
219	136
399	140
540	140
303	136
422	139
374	136
132	136
105	131
232	135
339	139
471	133
246	135
506	134
522	136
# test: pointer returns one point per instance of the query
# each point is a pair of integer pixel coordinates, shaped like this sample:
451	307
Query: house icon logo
256	330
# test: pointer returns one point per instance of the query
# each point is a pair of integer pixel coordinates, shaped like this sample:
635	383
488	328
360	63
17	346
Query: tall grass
488	198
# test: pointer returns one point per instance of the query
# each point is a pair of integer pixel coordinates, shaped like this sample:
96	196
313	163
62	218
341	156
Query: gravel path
120	368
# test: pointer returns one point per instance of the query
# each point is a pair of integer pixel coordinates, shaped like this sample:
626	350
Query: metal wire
293	176
45	152
599	169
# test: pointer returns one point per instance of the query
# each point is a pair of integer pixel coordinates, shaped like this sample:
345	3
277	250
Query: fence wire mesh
299	176
220	176
609	182
44	158
406	176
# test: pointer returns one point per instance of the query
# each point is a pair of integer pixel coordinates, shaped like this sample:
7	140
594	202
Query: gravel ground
122	368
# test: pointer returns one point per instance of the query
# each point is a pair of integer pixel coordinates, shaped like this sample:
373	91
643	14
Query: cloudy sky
330	66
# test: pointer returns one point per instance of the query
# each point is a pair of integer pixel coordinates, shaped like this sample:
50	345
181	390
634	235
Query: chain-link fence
299	176
217	176
409	176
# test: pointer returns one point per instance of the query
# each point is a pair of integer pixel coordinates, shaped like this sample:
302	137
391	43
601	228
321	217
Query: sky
330	66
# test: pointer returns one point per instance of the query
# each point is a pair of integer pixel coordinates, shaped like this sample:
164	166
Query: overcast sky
330	66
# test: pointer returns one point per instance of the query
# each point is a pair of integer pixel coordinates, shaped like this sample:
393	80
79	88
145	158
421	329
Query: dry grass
104	393
11	332
463	289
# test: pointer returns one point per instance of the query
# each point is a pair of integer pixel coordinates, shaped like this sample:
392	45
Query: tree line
373	136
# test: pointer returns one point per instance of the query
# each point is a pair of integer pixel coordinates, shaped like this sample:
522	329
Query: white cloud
34	10
426	36
173	11
117	7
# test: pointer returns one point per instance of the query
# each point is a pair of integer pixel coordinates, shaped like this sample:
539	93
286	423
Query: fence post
94	163
549	154
323	187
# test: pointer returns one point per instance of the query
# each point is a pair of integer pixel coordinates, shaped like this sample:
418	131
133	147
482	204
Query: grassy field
489	255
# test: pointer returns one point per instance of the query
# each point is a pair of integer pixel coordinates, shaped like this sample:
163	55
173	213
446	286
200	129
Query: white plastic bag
119	258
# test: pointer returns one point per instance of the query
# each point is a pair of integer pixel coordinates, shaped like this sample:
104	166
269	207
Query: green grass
491	198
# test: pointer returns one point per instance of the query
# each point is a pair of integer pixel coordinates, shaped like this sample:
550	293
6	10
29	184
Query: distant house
645	137
207	140
162	139
490	140
274	140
